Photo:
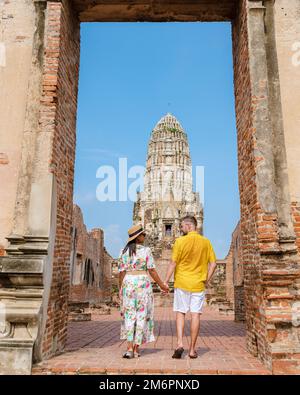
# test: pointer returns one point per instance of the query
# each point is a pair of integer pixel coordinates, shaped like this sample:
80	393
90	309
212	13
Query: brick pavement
95	348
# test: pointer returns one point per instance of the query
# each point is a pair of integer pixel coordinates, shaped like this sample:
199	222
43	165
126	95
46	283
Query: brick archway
34	273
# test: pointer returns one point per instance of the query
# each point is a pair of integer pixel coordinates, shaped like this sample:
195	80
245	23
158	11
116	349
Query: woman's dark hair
131	246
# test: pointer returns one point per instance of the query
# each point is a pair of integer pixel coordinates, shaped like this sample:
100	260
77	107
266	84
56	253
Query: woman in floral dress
136	296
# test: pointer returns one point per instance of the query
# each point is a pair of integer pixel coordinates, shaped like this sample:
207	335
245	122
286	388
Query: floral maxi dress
137	307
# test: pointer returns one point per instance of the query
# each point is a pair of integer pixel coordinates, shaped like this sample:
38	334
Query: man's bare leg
195	326
180	318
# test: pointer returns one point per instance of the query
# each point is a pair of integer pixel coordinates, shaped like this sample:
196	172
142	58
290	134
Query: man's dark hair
189	218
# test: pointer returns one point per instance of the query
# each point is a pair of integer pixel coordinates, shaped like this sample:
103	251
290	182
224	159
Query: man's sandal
128	355
177	353
193	356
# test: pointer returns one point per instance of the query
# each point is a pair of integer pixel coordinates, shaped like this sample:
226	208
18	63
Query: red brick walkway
94	347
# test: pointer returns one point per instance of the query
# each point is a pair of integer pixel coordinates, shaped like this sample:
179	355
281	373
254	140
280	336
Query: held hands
165	288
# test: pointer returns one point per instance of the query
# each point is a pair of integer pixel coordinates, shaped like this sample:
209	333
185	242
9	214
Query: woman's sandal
193	356
128	355
177	353
137	353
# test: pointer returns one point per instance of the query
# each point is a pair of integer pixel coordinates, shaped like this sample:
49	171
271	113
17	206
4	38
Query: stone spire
168	162
168	192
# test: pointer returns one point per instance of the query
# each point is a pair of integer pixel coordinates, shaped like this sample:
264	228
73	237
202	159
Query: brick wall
239	303
90	264
238	269
227	285
229	275
216	291
107	274
238	276
296	220
269	266
247	175
58	116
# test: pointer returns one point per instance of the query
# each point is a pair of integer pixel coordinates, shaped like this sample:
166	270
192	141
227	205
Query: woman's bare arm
153	273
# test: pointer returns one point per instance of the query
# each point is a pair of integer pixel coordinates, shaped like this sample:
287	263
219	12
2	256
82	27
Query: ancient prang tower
168	187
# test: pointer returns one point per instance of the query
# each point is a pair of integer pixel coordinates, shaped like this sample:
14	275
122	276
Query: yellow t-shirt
192	253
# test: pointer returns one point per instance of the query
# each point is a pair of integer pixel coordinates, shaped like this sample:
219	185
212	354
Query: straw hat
134	231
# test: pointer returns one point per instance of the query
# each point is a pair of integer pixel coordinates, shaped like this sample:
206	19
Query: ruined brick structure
168	190
38	99
91	265
227	285
236	293
216	291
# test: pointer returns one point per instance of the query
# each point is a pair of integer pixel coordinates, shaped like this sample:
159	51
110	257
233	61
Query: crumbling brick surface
90	264
58	116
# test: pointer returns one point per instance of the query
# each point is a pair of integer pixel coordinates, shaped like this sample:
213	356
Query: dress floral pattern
137	307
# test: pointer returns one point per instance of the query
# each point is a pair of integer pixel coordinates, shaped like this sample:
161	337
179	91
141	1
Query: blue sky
131	74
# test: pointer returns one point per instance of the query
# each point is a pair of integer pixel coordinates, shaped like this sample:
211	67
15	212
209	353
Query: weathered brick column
22	267
34	274
58	118
269	253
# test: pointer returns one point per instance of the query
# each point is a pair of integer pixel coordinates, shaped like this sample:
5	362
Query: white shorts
185	301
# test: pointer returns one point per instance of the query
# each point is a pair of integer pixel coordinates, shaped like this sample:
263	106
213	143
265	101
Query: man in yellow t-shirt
194	262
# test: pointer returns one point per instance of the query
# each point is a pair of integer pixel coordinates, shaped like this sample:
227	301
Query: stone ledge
79	317
160	11
22	265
